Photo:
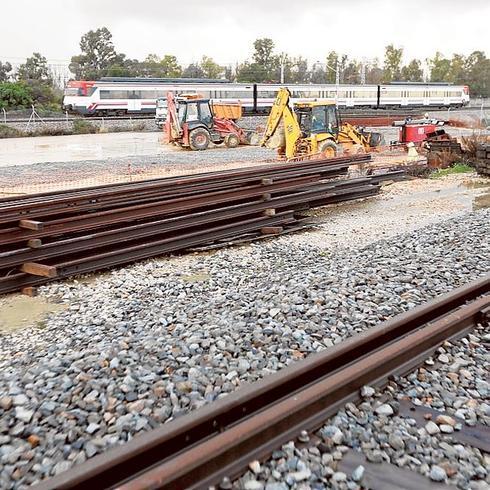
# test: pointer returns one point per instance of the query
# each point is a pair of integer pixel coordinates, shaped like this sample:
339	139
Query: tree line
32	82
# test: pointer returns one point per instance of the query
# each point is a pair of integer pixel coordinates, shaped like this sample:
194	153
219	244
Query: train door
350	102
404	98
426	97
447	100
134	101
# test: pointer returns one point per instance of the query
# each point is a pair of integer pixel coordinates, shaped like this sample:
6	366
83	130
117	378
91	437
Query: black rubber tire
232	140
329	147
199	139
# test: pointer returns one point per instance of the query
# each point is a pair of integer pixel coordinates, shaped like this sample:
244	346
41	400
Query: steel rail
220	175
111	217
144	250
199	449
92	241
69	206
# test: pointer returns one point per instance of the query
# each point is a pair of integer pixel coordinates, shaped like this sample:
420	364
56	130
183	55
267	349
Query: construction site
259	285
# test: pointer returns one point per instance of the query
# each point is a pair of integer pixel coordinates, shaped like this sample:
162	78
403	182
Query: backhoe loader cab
317	117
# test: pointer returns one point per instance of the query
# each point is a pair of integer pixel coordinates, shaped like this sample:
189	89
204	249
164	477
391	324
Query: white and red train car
121	96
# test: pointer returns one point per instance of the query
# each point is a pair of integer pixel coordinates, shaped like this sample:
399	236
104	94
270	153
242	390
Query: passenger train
121	96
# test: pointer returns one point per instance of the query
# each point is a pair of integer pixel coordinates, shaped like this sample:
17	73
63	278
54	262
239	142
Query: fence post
4	115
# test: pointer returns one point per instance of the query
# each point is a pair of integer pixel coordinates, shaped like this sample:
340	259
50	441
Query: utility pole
283	62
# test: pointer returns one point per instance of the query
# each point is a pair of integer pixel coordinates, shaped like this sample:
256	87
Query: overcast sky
226	29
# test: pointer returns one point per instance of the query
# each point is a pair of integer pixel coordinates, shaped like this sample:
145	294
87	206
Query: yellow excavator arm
282	112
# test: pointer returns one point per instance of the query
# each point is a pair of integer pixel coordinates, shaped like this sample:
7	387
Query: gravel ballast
150	342
454	381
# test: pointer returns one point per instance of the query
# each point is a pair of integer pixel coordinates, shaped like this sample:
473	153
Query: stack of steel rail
60	234
219	440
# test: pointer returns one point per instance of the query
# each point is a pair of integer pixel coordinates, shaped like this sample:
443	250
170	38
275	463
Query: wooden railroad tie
271	230
29	291
39	269
29	224
269	212
34	243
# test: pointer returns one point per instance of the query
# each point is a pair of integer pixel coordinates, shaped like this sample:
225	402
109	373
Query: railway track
51	236
216	442
367	113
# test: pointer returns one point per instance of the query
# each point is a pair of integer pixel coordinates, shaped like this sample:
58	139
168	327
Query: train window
391	93
161	93
364	95
149	94
113	94
270	94
415	93
342	93
134	94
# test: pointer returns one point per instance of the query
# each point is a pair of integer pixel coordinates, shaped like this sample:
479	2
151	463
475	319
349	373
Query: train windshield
72	91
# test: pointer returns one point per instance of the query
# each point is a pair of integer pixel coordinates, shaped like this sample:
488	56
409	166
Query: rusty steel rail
68	233
46	204
307	188
199	449
328	194
108	249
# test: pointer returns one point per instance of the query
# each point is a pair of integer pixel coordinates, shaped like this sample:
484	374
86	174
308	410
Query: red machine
191	123
415	131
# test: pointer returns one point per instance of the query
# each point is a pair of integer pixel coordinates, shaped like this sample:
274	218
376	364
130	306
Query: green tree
318	73
413	72
5	69
193	71
299	72
166	67
392	64
352	72
374	73
210	68
251	73
440	68
264	49
477	67
98	54
332	66
170	66
14	95
35	68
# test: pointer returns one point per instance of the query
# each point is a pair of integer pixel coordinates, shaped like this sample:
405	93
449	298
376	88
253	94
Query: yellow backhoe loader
312	128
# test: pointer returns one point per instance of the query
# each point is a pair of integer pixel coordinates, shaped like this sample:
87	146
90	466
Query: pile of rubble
482	163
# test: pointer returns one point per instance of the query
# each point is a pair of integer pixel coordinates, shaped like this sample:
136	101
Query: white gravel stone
384	409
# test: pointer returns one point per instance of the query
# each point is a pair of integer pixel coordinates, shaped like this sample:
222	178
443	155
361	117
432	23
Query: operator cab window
318	120
206	116
192	112
331	119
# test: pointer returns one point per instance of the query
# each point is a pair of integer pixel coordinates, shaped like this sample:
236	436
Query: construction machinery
191	123
313	127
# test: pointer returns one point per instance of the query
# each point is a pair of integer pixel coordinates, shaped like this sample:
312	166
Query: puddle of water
476	185
482	201
17	312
